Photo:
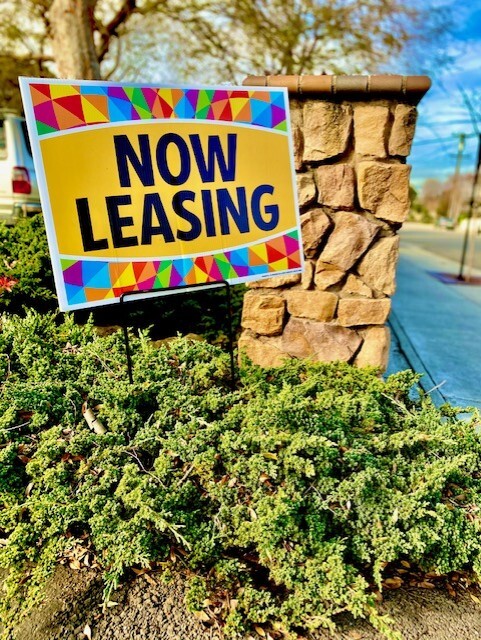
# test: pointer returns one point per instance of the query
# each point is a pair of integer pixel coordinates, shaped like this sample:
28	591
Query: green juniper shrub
26	282
25	267
289	494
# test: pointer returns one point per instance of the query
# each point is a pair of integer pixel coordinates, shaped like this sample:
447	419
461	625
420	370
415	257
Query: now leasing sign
147	187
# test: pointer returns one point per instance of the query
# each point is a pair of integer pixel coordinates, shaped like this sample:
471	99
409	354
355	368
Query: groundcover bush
26	282
282	500
26	277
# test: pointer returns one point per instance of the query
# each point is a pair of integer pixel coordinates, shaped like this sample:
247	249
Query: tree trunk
72	25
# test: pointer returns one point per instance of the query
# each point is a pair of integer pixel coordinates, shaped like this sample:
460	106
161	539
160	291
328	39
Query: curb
414	360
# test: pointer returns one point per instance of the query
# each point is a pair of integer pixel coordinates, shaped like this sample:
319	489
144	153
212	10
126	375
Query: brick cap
409	88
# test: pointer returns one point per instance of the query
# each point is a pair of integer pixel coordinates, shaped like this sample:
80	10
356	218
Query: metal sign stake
179	290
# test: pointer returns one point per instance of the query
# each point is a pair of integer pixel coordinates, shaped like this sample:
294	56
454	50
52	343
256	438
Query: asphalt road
447	244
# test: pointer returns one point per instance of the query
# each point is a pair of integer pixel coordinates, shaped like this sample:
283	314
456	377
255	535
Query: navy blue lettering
178	206
271	209
238	214
162	164
143	166
153	204
117	223
86	231
215	157
208	214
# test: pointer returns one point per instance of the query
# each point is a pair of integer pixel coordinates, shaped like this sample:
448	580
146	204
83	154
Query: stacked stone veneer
353	189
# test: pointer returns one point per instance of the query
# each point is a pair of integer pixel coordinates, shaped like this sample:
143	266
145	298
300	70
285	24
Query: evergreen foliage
26	282
289	493
25	267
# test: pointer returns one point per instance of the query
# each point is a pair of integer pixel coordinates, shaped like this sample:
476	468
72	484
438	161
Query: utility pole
455	200
470	210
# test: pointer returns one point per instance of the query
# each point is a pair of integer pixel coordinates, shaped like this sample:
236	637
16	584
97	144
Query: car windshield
27	139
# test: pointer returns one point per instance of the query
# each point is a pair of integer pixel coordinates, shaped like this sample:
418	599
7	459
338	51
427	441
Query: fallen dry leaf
392	583
150	580
426	585
451	591
87	632
201	615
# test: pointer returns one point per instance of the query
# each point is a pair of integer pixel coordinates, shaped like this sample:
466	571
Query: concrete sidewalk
436	328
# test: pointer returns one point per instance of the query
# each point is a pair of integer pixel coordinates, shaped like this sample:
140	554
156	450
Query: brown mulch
148	609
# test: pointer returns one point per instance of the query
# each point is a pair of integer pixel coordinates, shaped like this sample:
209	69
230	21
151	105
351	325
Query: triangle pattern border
103	277
125	103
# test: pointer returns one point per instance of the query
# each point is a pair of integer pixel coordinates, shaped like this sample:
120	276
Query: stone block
377	267
287	280
355	287
316	305
327	275
295	110
308	274
383	189
402	132
314	226
319	341
265	352
351	237
306	189
370	130
327	129
355	312
375	348
263	313
336	184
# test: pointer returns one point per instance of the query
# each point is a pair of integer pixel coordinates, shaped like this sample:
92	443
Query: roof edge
411	88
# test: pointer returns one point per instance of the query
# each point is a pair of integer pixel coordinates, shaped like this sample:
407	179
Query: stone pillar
351	135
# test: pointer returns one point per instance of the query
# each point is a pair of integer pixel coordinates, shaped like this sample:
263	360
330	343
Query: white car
18	183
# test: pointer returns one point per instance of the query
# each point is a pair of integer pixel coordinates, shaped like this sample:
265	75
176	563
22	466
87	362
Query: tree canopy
212	40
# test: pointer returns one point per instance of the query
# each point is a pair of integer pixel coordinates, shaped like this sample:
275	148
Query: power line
442	140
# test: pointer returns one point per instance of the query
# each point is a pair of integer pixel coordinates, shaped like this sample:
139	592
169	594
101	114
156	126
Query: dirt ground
147	609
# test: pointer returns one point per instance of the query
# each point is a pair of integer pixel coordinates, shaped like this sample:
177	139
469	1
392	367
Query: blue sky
443	113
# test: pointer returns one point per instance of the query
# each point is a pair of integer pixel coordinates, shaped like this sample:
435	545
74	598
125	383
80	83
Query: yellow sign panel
148	188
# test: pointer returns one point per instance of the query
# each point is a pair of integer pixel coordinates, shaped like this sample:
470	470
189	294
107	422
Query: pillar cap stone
408	88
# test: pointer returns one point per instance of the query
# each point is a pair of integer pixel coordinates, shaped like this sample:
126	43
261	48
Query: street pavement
436	327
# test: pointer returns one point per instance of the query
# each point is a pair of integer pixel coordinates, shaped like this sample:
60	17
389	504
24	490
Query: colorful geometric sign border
60	107
88	281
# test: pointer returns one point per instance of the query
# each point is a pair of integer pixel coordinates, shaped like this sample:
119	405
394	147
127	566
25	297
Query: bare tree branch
111	29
